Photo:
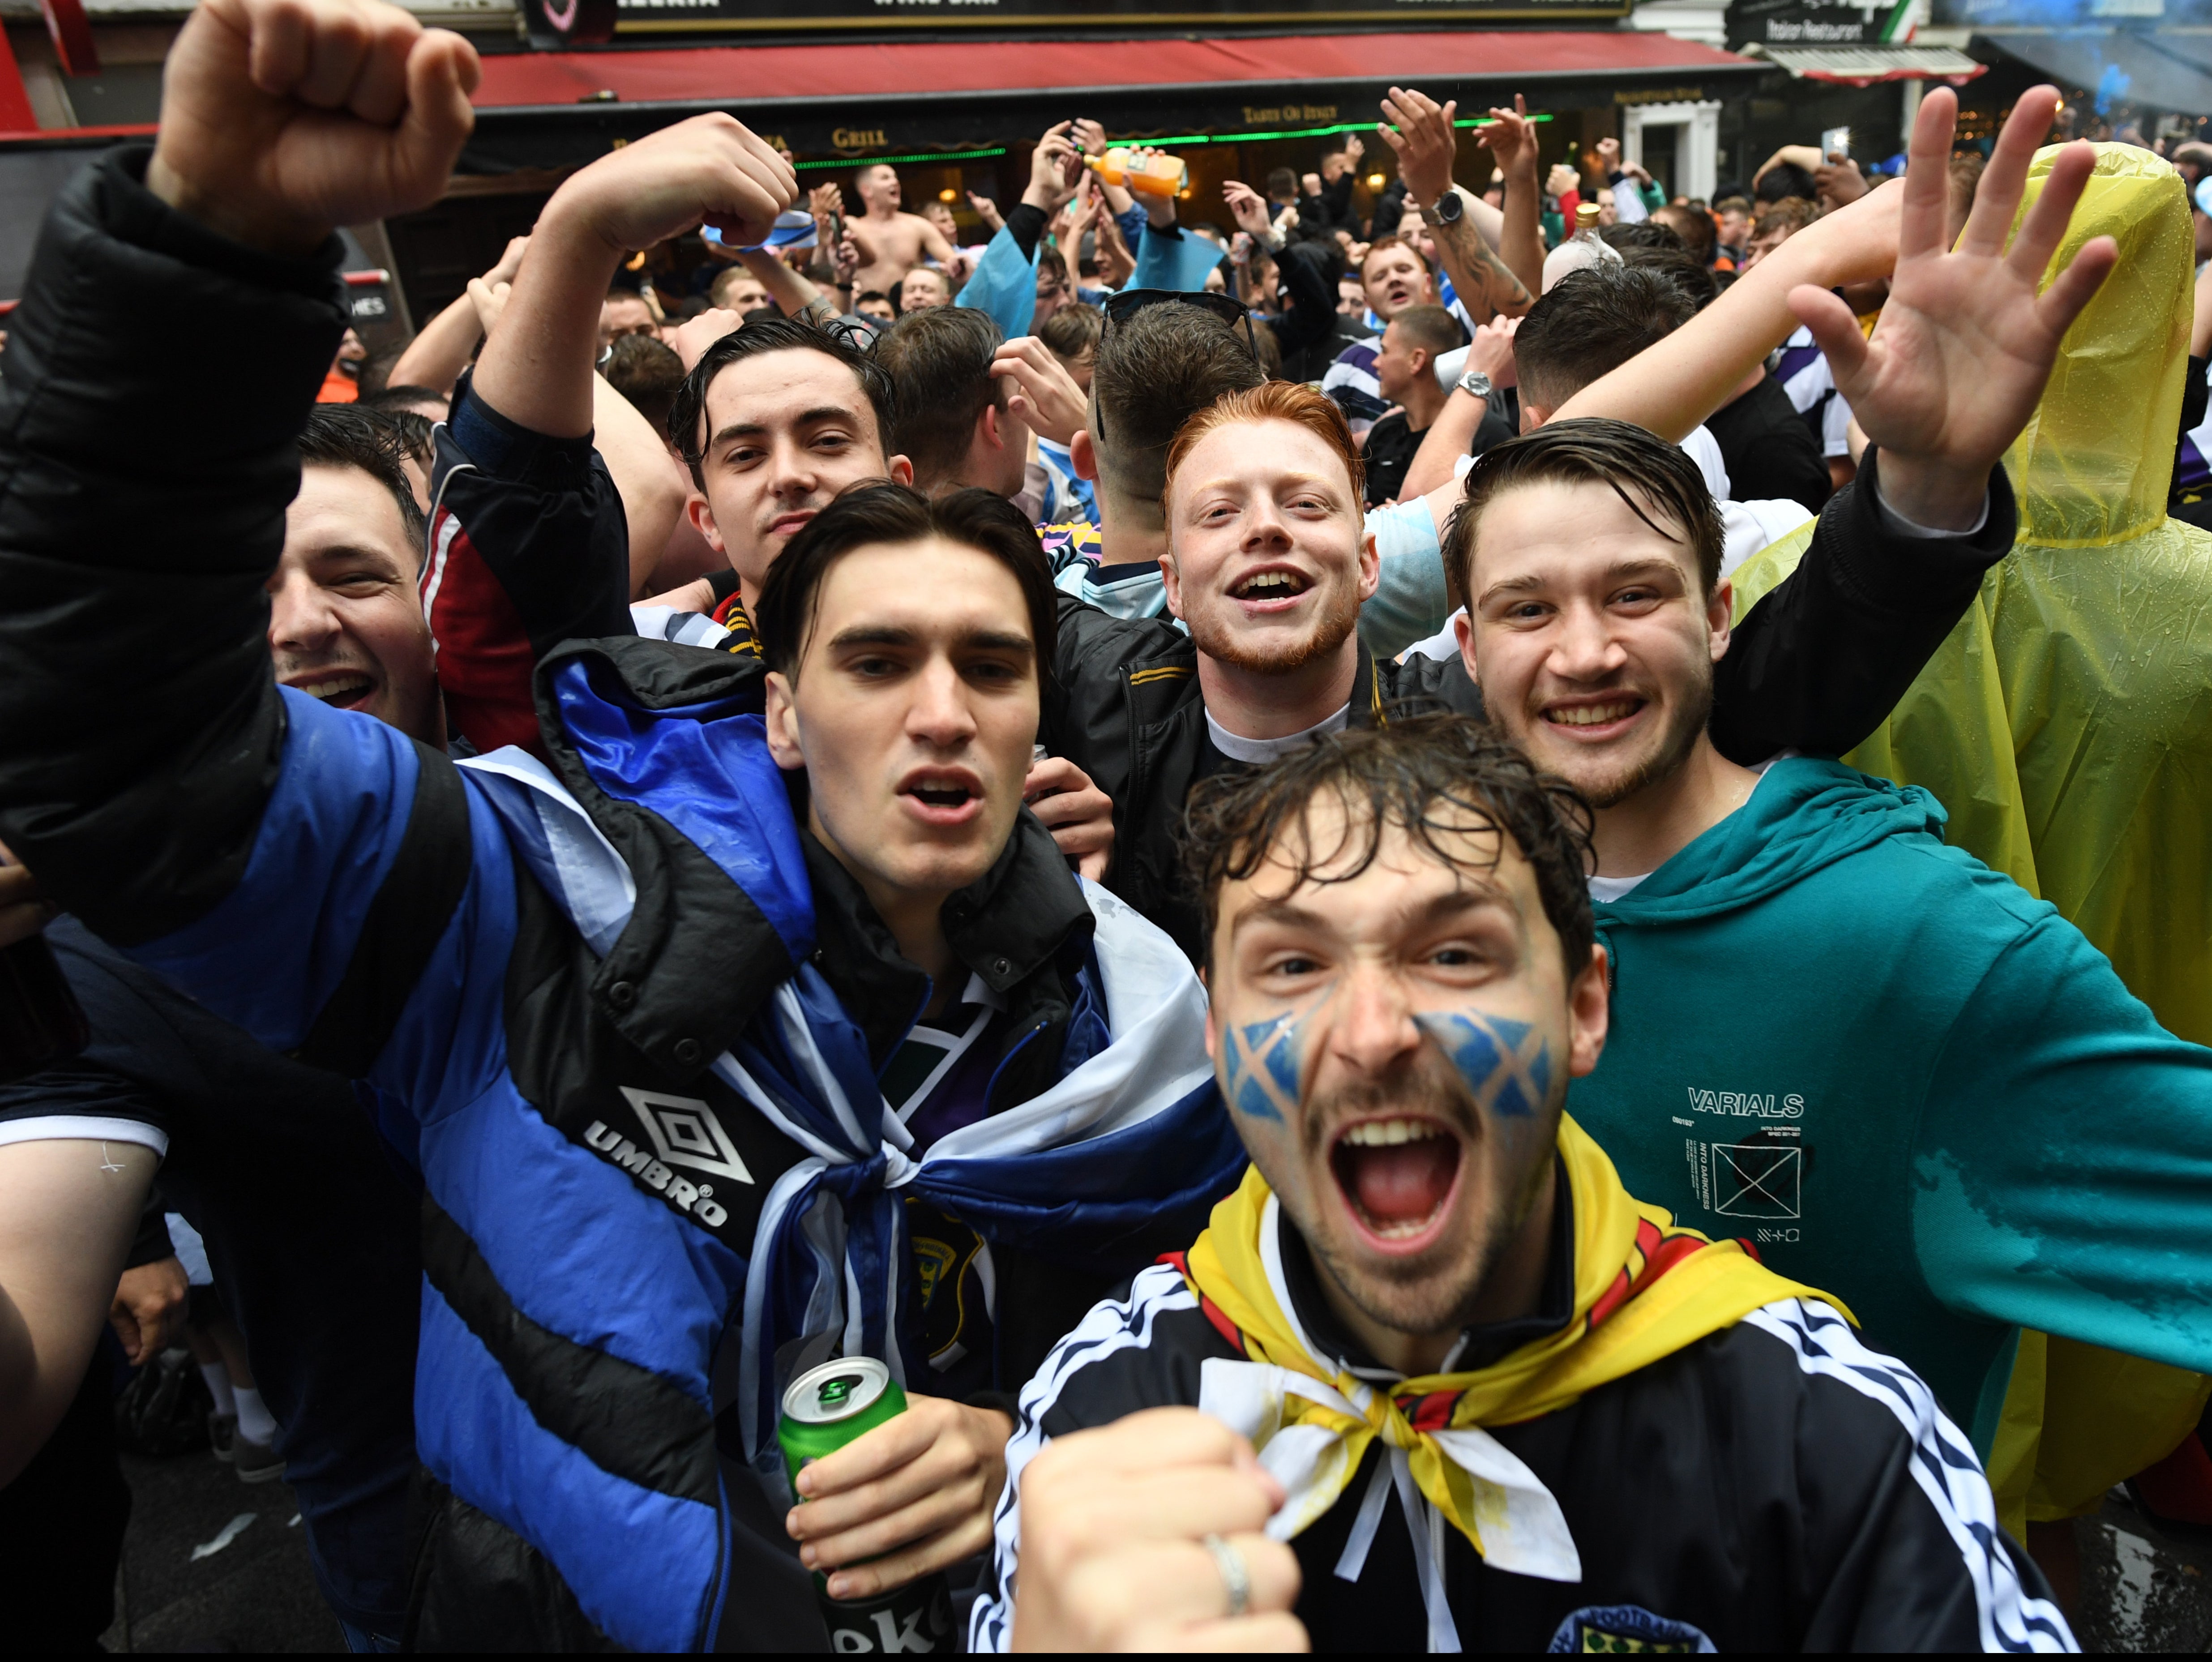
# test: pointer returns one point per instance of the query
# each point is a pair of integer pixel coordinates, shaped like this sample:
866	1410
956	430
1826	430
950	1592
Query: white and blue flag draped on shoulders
1132	1131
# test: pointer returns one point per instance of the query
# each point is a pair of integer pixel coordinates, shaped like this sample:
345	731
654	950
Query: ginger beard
1336	614
1403	1105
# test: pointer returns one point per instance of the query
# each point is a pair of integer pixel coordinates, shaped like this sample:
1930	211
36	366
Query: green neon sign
1155	143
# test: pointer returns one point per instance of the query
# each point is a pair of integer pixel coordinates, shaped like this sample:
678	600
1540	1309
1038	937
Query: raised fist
709	170
282	119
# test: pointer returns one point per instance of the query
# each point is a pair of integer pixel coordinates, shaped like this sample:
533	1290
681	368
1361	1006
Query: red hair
1273	400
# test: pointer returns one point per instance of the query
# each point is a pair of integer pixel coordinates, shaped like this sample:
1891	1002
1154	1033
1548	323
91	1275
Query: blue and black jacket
547	998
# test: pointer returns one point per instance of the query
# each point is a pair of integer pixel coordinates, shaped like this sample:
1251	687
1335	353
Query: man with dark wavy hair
1493	1396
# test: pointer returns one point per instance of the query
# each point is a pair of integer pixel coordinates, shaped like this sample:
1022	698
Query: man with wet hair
1451	1336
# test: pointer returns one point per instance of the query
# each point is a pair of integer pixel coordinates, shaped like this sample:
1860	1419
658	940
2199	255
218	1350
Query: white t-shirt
1254	752
1604	889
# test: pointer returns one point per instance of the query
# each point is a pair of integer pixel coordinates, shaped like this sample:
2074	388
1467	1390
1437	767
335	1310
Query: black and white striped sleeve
1898	1513
1144	1350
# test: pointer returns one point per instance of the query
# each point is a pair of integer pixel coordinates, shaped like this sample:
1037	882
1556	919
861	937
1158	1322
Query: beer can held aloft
824	1409
1157	174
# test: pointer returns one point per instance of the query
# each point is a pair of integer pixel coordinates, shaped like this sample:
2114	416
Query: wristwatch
1449	206
1476	382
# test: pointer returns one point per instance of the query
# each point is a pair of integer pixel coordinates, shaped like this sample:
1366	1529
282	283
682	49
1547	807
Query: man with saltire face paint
1432	1378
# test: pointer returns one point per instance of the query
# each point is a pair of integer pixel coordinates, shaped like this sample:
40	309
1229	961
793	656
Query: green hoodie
1905	1080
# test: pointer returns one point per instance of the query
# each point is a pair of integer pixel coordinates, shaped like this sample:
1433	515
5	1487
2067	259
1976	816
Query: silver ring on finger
1236	1579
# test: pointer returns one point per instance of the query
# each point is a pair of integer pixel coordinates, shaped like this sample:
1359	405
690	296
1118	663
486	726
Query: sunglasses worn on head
1130	301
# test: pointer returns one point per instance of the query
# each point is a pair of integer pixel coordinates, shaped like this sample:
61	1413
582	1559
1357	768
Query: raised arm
1954	372
153	273
257	847
536	370
1091	139
792	291
1451	436
1512	140
437	357
1423	137
532	525
1672	387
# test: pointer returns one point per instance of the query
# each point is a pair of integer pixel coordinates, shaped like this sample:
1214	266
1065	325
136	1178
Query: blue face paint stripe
1506	1063
1265	1062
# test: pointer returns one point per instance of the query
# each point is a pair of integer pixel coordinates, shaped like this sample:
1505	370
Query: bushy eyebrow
892	634
1620	570
1474	894
825	412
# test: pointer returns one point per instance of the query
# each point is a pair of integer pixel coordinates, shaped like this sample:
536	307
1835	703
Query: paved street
252	1592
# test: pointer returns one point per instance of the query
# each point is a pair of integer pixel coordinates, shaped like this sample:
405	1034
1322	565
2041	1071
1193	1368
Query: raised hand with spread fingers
1967	341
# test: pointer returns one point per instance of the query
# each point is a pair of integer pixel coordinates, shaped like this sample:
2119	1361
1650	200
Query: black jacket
1773	1487
1310	331
1815	667
1125	710
1768	450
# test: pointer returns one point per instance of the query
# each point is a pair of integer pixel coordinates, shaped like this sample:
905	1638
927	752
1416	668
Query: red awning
954	67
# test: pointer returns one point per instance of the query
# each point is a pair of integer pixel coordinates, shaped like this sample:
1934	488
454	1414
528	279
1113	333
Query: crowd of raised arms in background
1472	916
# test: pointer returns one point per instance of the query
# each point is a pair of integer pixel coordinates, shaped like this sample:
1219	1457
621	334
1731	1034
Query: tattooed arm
1486	283
1424	141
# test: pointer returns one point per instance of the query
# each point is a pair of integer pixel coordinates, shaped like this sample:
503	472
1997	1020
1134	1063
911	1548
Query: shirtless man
891	243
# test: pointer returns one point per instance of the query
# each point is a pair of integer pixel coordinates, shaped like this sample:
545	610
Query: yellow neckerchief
1643	1289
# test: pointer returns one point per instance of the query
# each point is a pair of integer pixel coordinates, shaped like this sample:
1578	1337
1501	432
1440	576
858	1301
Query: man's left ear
1083	454
1588	1014
900	470
1720	613
780	718
1371	566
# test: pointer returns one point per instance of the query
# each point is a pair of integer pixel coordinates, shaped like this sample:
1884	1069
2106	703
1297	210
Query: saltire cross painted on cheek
1506	1063
1266	1062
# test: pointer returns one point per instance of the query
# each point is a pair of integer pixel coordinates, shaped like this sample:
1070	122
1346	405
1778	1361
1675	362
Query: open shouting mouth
942	796
1399	1176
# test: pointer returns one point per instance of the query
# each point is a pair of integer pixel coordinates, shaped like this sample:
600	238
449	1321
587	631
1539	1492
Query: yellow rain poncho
2066	725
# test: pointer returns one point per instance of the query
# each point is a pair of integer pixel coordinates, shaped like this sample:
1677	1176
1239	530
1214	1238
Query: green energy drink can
824	1409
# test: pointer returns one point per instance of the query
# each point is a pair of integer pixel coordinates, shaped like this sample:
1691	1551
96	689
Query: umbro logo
683	1132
